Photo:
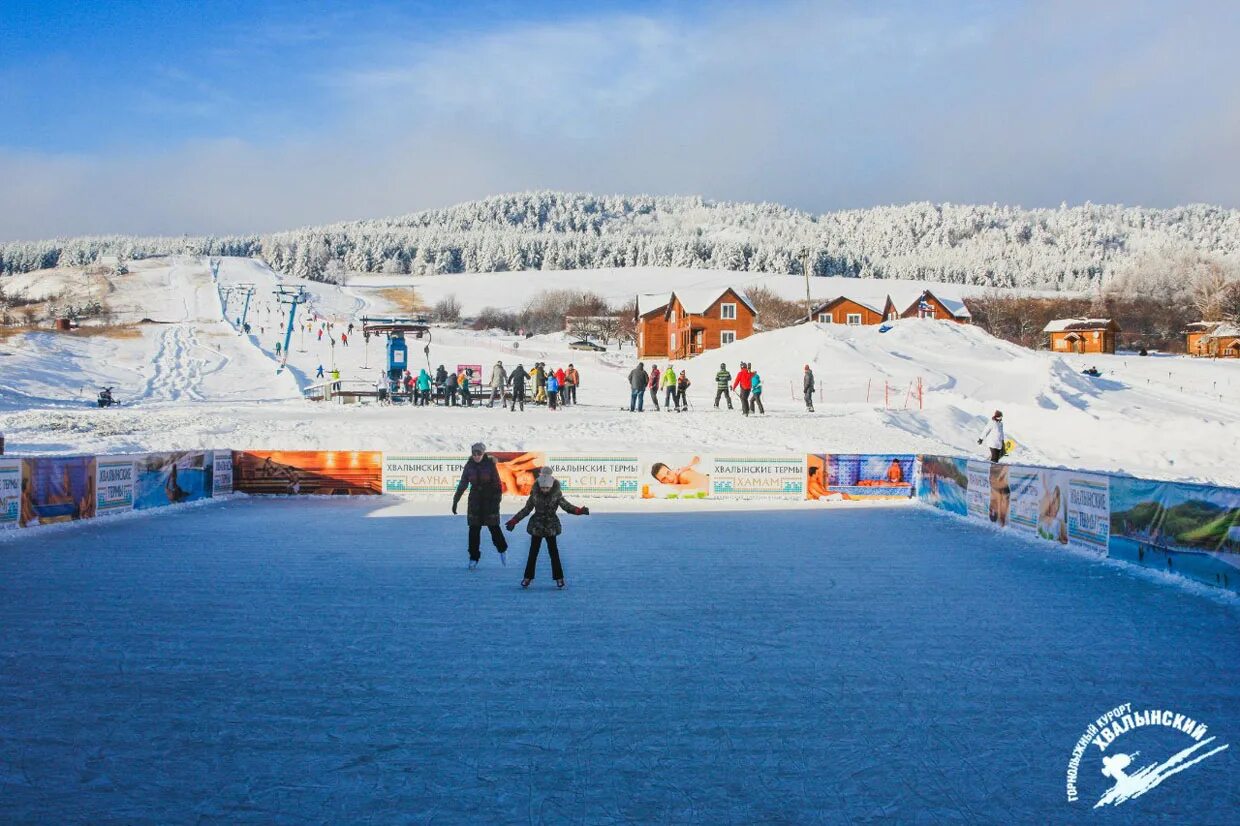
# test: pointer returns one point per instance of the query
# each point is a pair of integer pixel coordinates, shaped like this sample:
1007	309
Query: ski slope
192	380
332	660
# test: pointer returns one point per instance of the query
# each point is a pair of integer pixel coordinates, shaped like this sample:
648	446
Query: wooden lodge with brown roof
686	323
854	311
1082	335
1213	339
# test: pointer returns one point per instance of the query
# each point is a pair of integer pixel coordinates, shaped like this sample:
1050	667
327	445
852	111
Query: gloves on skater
979	441
583	511
510	524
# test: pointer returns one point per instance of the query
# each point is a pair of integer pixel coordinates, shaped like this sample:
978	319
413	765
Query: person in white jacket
499	378
992	436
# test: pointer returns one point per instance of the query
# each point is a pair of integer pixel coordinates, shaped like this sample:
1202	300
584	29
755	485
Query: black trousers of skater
809	400
755	403
996	454
744	394
557	572
475	540
654	396
571	398
669	397
551	394
518	397
722	393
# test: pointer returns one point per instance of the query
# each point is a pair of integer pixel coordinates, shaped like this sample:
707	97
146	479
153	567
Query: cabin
1082	335
650	321
854	311
701	320
850	311
929	305
1213	339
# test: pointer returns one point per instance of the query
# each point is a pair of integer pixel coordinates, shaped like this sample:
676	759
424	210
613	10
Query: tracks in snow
178	374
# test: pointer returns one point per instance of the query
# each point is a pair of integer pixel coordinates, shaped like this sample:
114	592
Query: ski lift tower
396	328
246	290
215	269
293	297
225	294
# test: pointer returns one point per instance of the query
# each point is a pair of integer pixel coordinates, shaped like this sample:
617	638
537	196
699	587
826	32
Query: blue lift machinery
247	291
396	328
292	297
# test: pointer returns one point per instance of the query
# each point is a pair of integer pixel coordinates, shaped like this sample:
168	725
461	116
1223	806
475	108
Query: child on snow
993	436
544	500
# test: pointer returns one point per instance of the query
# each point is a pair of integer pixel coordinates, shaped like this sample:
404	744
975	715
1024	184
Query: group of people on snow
674	388
481	477
747	383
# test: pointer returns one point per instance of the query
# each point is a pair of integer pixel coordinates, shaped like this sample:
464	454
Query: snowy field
186	379
281	661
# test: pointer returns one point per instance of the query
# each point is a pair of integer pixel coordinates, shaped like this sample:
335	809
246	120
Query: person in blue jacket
755	391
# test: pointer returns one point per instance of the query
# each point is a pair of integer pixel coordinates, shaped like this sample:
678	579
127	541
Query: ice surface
292	661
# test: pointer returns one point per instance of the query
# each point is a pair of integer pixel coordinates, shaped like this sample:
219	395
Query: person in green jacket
668	380
723	384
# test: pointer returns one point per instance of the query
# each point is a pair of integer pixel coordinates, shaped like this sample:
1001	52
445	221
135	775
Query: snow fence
1188	529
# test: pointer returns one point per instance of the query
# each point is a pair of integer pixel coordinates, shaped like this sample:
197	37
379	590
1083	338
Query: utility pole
809	310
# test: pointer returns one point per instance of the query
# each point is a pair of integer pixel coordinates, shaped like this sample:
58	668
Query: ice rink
281	661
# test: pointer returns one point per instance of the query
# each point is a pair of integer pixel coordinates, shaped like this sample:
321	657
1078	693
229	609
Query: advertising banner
473	373
675	475
758	477
944	483
978	496
421	474
10	492
1192	530
854	476
308	472
518	470
57	489
114	476
162	479
597	475
1026	498
1075	509
222	477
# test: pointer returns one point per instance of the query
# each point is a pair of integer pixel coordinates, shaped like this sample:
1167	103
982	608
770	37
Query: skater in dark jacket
807	388
481	476
544	500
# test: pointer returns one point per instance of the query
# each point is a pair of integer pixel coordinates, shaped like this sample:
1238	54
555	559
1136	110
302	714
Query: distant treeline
1068	248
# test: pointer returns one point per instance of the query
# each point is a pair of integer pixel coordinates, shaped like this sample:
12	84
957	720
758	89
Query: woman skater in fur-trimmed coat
544	500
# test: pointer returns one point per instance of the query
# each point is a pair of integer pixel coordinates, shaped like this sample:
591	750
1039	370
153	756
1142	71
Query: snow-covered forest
1068	248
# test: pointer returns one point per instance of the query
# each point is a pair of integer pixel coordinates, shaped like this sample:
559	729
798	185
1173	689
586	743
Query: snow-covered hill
190	380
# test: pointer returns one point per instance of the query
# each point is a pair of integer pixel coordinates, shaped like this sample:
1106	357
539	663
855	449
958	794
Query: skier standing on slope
654	386
481	476
319	374
682	392
744	385
571	379
499	378
638	379
992	436
668	382
517	379
553	390
561	378
723	379
807	387
423	388
544	500
755	392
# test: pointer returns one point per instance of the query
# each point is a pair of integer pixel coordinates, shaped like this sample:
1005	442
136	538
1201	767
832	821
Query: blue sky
247	116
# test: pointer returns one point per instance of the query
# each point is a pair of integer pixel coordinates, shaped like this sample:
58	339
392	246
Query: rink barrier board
1184	528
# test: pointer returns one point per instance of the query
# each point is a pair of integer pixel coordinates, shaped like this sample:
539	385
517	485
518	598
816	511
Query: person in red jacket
744	382
653	385
560	377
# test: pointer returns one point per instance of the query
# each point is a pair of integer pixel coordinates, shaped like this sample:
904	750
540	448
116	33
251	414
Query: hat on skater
545	479
477	447
998	414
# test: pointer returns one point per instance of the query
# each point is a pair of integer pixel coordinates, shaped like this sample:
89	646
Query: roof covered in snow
649	302
1225	330
1064	325
698	301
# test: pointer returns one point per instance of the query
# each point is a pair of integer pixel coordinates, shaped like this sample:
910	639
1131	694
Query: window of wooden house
854	319
727	312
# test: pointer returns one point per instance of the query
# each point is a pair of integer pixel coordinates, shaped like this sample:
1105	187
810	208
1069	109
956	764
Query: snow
191	381
281	660
1061	325
697	302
